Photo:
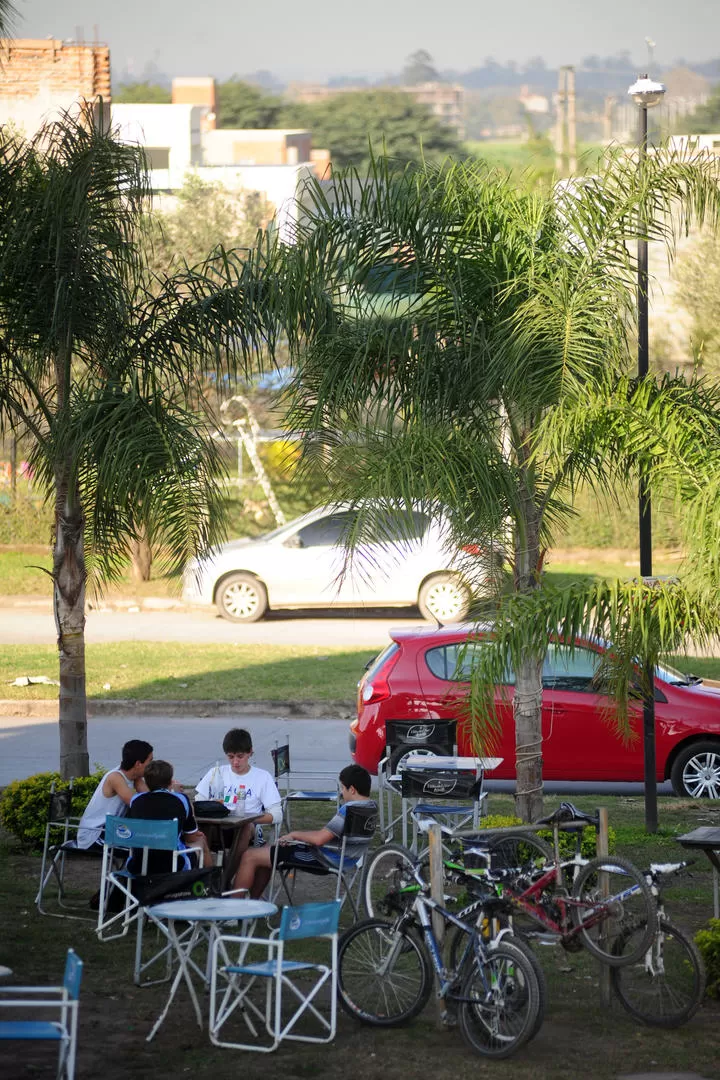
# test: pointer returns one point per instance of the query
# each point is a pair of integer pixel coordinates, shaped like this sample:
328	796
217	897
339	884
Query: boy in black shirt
161	803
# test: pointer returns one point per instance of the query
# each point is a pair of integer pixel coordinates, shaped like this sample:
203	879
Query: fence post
602	851
437	892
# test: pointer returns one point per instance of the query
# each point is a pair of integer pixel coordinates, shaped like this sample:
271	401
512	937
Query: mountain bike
665	986
385	975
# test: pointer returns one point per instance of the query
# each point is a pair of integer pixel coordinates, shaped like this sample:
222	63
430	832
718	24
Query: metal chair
402	738
276	971
61	999
57	851
284	775
360	826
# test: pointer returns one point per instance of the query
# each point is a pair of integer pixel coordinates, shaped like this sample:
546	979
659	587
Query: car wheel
444	599
241	598
402	753
696	771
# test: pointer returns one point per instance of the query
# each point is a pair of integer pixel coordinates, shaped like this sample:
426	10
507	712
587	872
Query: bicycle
666	985
385	976
609	897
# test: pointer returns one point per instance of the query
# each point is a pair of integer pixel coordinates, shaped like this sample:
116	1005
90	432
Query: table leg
183	972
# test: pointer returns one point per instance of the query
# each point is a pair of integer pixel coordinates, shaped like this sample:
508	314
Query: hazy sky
316	38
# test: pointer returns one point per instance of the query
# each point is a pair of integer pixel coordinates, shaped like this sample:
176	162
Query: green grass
162	671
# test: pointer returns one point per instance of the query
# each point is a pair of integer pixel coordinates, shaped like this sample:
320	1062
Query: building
42	77
446	101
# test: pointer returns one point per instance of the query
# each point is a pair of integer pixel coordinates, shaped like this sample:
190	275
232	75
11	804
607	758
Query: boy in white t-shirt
246	791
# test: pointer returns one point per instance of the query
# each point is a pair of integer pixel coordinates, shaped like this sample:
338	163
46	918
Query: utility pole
566	125
571	123
560	123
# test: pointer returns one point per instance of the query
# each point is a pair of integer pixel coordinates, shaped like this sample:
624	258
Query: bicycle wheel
521	850
501	1000
617	887
665	987
386	869
384	976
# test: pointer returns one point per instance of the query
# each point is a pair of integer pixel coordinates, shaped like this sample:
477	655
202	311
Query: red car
416	678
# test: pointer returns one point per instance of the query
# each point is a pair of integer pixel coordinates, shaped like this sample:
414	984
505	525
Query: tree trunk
69	603
527	702
141	556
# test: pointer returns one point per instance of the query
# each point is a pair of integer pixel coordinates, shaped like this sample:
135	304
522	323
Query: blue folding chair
287	783
276	971
63	999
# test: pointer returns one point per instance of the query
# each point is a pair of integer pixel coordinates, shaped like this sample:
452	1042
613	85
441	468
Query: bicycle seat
568	816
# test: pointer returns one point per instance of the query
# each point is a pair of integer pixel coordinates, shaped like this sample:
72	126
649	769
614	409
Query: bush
24	804
708	942
567	840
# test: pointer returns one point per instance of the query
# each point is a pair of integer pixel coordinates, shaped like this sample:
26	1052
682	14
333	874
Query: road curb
312	710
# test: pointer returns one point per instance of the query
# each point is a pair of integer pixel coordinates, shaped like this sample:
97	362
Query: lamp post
646	93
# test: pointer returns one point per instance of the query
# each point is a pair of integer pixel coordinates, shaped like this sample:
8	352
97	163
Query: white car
303	564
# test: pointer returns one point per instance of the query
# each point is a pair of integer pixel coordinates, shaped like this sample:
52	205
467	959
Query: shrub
567	840
24	804
708	942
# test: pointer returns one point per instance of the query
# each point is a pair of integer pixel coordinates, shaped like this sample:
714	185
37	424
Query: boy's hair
237	741
357	777
158	774
133	751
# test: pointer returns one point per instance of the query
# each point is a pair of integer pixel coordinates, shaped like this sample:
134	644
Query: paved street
34	626
193	744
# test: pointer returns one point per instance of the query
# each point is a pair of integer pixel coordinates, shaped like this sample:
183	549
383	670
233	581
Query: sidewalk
47	709
107	603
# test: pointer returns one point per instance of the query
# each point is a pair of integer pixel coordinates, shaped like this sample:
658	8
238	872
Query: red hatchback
417	678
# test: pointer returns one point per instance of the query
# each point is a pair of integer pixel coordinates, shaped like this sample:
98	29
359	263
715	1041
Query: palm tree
462	344
98	365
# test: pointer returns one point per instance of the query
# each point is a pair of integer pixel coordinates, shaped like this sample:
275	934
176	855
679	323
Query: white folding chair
121	835
59	848
287	782
402	738
61	999
231	983
360	826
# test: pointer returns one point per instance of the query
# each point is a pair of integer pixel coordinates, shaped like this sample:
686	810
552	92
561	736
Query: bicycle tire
666	986
634	915
524	851
383	871
501	1000
457	936
394	997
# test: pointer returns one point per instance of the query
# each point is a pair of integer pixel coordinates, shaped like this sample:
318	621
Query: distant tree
535	63
419	68
348	124
705	120
142	93
698	290
240	105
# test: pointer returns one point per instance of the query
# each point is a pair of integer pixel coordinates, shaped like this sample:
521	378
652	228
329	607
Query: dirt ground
579	1039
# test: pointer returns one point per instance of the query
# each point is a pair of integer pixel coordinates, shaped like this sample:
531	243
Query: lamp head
646	92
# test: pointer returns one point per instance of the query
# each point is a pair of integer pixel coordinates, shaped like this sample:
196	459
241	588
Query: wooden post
602	851
437	892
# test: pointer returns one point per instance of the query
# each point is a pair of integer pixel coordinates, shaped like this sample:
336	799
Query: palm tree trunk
141	557
527	702
69	603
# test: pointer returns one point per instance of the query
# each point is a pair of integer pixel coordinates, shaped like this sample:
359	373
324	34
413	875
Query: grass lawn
580	1037
168	671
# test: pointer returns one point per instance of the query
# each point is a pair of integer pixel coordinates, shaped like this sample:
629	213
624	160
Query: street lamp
645	93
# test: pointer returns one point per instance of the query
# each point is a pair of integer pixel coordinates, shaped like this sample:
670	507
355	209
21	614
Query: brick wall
51	69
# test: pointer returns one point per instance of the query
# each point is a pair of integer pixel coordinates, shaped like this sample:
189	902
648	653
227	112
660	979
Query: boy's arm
117	785
318	837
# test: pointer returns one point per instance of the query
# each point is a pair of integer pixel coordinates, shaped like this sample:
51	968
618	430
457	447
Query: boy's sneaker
259	838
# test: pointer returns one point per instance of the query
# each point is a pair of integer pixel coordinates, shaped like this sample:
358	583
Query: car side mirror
293	541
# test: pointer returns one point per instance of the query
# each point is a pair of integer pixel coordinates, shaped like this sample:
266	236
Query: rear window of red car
455	662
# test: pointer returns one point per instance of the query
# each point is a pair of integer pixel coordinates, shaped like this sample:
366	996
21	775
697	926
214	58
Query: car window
392	528
563	670
455	663
326	531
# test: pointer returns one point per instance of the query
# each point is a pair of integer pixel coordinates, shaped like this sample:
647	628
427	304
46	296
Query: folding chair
58	850
284	778
63	999
297	923
404	737
425	789
360	825
138	891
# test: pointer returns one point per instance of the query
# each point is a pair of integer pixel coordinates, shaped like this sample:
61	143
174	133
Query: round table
206	916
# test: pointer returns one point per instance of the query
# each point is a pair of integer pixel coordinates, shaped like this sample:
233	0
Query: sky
314	39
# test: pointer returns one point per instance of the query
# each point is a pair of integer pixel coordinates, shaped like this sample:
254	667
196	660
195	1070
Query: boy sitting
256	864
161	803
